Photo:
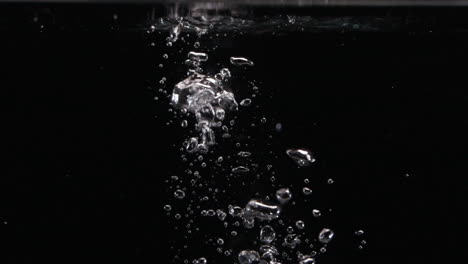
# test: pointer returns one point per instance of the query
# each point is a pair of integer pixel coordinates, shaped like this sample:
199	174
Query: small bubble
246	102
225	73
291	240
249	223
283	195
300	224
326	235
179	194
244	154
306	191
211	212
316	213
278	127
359	233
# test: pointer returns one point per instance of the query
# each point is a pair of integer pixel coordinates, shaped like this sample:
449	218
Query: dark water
88	150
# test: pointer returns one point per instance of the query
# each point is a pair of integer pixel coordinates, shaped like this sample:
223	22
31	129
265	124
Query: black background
87	149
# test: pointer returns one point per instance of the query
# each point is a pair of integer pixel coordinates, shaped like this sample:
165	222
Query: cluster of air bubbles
291	19
205	97
291	241
360	234
306	259
174	33
248	257
194	61
268	211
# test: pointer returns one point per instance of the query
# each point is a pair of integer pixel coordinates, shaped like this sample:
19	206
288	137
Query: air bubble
244	154
246	102
197	56
301	156
240	169
261	210
326	235
200	261
240	61
267	234
292	240
283	195
316	213
179	194
359	233
300	224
